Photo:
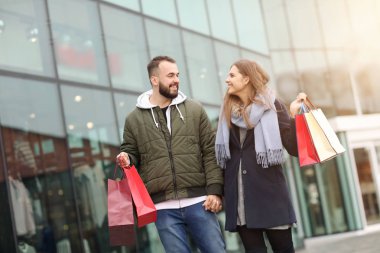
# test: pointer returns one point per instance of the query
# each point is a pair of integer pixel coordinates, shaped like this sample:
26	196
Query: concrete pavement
364	241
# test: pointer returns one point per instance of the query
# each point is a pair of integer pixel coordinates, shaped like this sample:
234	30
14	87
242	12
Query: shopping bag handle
114	171
309	104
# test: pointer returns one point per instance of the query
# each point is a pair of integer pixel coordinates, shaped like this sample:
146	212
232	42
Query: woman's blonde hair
258	79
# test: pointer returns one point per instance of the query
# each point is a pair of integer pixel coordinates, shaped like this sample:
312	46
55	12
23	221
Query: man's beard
165	91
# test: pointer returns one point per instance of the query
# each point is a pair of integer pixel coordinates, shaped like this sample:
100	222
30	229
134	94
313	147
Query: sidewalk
367	241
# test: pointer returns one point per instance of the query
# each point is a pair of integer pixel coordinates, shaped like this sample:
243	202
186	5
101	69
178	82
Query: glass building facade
71	70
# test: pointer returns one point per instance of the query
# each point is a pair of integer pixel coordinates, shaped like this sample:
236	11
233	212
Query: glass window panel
35	147
313	201
287	84
125	104
93	146
337	30
187	9
275	21
226	55
340	84
202	69
221	19
367	84
367	183
77	40
126	49
30	106
337	217
313	73
250	25
24	39
130	4
303	20
166	40
364	21
213	115
163	9
6	230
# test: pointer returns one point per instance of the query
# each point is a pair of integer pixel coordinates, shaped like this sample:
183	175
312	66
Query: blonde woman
253	128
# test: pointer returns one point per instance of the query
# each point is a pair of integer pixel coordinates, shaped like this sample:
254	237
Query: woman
252	130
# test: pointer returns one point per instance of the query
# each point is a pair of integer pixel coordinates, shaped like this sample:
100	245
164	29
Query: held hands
213	203
123	159
296	104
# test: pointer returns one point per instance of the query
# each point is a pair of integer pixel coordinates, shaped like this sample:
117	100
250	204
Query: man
169	139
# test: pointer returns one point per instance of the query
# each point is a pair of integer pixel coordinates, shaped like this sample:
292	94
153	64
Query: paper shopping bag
145	209
120	213
306	152
322	145
327	129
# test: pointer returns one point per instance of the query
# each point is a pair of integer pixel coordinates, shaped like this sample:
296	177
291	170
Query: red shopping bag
307	154
120	213
145	209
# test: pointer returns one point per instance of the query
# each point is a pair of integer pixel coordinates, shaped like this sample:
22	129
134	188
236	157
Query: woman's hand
296	104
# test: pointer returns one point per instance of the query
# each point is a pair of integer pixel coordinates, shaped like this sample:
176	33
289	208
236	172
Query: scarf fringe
222	156
270	158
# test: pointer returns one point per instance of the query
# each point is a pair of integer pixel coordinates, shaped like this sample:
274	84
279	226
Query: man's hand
123	159
213	203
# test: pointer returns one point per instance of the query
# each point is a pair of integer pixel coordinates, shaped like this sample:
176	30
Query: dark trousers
279	239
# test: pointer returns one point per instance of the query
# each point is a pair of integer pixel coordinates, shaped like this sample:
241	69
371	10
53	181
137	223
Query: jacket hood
144	103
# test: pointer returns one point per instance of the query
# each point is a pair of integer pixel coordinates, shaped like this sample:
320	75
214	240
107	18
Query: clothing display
22	208
24	153
92	192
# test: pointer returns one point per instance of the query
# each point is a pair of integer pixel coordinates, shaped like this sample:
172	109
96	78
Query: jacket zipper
169	146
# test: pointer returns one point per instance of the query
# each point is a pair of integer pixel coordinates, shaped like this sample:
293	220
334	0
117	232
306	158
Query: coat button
244	172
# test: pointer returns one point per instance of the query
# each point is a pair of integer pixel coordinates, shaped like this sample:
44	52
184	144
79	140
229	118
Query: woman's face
237	83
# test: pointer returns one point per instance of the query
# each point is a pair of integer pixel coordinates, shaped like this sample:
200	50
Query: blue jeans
173	226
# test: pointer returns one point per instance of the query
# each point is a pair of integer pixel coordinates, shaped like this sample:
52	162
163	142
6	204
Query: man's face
168	81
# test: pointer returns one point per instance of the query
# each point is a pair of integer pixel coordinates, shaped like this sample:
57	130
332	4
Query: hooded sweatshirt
174	157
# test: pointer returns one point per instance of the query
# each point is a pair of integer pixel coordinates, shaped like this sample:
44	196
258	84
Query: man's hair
153	64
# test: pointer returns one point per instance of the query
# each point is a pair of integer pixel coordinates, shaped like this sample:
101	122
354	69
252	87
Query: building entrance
368	175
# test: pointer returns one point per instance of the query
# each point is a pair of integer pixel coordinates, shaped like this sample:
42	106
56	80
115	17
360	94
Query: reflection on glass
313	201
38	172
337	30
77	41
6	231
251	31
130	4
369	89
24	37
166	40
187	9
124	104
300	13
93	146
287	85
163	9
313	74
226	55
367	185
126	49
334	199
213	115
275	21
201	66
221	20
340	84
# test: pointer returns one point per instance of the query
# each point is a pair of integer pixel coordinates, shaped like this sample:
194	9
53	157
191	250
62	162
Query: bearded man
169	139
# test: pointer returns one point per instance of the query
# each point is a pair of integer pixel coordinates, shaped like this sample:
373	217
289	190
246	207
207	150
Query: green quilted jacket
175	158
